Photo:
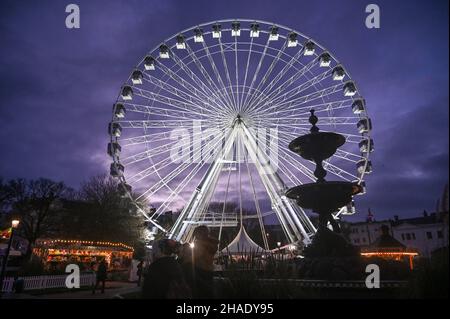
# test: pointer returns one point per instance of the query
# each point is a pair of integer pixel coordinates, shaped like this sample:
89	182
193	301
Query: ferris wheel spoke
218	76
160	111
159	137
255	75
279	75
224	207
182	185
159	150
349	138
324	121
345	155
160	124
246	73
209	87
146	138
174	103
227	73
190	98
301	167
269	70
139	176
304	170
236	69
205	93
176	172
295	103
335	170
288	174
206	75
296	90
327	165
318	108
291	80
349	156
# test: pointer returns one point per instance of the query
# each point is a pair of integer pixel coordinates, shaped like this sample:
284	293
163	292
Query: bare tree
37	204
107	215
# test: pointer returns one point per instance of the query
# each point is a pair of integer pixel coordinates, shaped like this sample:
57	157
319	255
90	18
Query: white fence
45	282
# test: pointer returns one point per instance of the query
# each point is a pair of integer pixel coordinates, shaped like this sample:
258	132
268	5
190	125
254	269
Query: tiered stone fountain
329	249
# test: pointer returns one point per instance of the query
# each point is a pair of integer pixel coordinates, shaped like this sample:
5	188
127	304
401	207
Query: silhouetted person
201	266
101	276
140	267
164	278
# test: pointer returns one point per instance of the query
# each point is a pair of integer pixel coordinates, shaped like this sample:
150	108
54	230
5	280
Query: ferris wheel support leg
275	187
182	230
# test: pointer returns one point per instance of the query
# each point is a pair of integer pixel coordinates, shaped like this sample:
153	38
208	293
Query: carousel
57	253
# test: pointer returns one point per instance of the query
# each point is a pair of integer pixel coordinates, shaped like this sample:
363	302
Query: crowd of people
180	271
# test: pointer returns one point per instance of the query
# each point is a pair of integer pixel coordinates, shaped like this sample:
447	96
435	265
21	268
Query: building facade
425	234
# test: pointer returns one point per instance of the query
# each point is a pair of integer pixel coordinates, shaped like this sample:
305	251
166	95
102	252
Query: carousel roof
385	243
242	243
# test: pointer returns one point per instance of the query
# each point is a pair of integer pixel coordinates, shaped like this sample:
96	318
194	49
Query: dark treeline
49	209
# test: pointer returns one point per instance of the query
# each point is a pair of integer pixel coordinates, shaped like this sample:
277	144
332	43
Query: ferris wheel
202	125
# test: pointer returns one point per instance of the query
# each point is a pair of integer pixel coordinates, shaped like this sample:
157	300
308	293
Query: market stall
56	253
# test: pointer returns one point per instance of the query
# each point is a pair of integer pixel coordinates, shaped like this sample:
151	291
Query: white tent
242	243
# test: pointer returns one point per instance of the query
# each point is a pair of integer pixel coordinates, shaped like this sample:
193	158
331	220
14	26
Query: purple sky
58	85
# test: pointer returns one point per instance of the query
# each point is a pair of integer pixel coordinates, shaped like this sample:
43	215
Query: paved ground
113	290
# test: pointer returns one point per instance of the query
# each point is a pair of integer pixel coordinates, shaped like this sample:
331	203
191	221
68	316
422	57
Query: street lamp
14	224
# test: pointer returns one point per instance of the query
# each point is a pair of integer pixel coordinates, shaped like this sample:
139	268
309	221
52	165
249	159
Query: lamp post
14	225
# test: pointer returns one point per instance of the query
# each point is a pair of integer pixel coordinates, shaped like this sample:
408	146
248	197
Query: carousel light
192	245
15	223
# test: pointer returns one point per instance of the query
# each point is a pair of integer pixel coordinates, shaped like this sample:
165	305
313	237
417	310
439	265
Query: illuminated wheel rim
269	76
